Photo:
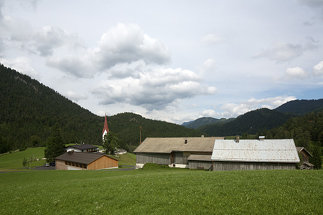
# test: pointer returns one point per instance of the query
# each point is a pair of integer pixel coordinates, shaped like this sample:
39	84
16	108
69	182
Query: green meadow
161	191
13	160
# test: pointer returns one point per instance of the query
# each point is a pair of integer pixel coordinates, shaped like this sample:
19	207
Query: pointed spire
105	128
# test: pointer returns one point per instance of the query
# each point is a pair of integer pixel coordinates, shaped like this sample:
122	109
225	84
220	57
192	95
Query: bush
149	166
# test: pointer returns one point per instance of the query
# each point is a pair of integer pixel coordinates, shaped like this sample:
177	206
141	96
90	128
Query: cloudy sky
168	60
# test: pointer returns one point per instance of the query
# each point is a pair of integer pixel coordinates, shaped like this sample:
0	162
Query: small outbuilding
305	156
85	161
254	154
82	148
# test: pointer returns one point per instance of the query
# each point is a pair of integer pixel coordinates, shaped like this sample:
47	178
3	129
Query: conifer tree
316	160
110	143
55	145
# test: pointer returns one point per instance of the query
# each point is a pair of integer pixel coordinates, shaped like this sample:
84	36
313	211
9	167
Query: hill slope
126	125
204	121
301	107
29	110
250	122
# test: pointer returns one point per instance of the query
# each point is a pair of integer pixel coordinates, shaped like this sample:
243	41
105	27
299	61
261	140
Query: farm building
82	148
173	151
85	161
254	154
305	156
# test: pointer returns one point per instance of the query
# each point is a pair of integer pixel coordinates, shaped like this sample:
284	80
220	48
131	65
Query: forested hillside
301	107
250	123
28	111
205	121
304	130
127	127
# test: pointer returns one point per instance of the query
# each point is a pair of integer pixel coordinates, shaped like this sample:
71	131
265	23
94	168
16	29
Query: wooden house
85	161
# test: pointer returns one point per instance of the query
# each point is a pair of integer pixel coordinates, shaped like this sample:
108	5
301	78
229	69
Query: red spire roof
105	128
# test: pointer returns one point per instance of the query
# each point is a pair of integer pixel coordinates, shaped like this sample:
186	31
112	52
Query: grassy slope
169	191
14	160
127	159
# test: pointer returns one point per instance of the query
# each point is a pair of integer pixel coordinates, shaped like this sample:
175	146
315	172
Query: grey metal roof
167	145
81	157
268	150
199	157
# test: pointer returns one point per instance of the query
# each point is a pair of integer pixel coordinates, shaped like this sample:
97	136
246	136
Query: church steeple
105	128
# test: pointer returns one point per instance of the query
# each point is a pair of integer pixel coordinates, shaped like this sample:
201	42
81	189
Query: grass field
14	160
162	191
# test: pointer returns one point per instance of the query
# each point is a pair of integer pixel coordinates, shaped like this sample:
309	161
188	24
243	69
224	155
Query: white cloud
211	39
318	69
287	51
20	64
154	88
296	72
121	49
317	5
78	66
209	64
126	43
208	113
233	109
47	39
75	96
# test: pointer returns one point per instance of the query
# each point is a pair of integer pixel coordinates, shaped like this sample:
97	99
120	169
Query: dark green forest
301	107
29	110
250	123
306	130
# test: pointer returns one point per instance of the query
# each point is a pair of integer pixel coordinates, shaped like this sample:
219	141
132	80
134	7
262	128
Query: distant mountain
251	123
204	121
29	109
301	107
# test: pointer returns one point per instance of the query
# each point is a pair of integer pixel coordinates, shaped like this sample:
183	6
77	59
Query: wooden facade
158	158
103	162
195	164
225	165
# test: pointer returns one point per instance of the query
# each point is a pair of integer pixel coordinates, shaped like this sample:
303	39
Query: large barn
85	161
175	151
254	154
218	154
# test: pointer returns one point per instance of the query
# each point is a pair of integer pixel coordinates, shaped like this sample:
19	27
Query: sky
168	60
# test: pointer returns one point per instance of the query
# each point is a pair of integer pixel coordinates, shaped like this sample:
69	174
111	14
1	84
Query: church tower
105	128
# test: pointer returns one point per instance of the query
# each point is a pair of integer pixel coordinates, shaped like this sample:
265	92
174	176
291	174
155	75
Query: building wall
103	163
60	165
157	158
178	157
200	164
219	165
181	157
63	165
